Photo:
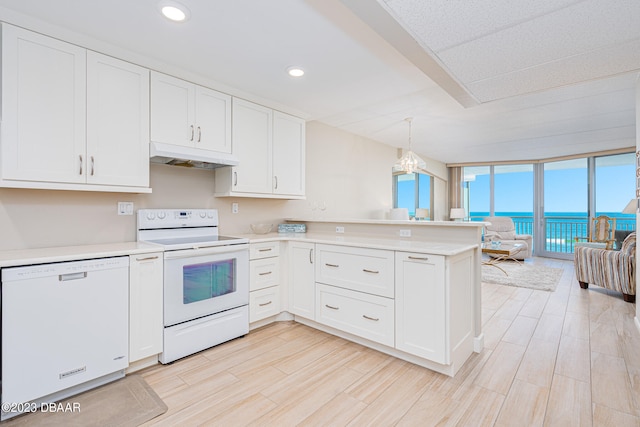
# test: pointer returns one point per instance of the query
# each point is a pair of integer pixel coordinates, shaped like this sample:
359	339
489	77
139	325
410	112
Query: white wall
352	175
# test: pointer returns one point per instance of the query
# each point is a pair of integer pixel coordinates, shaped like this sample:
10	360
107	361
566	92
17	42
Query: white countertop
73	253
389	222
394	244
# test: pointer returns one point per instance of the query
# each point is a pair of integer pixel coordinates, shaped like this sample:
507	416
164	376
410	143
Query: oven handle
187	253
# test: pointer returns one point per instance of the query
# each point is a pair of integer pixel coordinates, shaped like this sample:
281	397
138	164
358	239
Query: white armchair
502	228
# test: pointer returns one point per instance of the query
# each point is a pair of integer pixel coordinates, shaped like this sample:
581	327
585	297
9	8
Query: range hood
179	155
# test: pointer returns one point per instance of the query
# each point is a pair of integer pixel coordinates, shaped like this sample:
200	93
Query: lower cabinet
145	305
302	295
264	280
421	306
264	303
365	315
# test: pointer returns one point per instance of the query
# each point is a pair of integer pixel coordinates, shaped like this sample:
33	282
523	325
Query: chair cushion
500	227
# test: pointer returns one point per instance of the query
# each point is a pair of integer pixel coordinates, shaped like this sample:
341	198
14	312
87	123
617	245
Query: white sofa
502	228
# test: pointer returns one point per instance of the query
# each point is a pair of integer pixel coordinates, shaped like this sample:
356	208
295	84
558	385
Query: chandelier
410	162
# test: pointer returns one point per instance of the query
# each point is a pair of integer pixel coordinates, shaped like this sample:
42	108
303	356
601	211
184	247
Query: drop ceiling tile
441	24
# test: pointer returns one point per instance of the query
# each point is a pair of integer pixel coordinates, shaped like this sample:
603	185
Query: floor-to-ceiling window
554	200
412	191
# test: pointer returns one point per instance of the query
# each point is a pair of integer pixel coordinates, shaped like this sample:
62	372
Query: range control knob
210	214
162	214
203	214
151	215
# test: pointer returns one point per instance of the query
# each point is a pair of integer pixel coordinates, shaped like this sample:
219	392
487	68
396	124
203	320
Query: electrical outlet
234	208
125	208
405	233
339	229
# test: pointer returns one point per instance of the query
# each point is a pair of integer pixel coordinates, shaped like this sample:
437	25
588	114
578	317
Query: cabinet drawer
264	273
368	316
359	269
264	303
264	250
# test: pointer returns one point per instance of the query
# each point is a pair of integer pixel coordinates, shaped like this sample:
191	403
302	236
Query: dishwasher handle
72	276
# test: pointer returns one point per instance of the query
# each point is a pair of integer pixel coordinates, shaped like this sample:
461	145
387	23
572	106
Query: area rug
129	401
522	275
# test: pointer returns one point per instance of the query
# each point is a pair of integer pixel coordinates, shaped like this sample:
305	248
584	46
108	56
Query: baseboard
478	343
637	322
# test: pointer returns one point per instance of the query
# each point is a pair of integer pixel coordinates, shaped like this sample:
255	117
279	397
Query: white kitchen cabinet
270	148
434	306
367	316
117	122
43	108
288	155
360	269
72	119
264	280
183	113
145	305
302	279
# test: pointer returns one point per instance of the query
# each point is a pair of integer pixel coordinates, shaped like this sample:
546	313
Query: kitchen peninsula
416	297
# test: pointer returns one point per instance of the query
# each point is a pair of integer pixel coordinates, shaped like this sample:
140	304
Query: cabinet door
145	305
43	106
421	306
213	120
172	110
302	279
288	154
252	126
117	122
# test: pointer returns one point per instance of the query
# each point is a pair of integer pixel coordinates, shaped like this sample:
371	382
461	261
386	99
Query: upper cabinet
71	119
184	113
270	147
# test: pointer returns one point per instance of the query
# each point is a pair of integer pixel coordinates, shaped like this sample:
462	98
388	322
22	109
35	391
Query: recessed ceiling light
295	71
174	11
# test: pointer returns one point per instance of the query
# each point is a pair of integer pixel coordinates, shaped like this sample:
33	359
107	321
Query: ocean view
561	227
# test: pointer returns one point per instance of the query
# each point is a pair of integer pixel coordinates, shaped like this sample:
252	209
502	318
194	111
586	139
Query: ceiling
484	80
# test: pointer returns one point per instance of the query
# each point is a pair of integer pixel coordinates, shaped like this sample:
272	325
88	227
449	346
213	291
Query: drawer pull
419	258
332	307
375	319
264	273
264	250
147	258
331	265
370	271
265	303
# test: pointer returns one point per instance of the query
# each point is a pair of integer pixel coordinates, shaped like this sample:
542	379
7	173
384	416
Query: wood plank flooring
564	358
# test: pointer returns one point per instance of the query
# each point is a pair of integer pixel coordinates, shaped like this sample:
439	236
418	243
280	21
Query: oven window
208	280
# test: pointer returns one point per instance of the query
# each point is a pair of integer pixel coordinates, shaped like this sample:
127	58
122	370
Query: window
412	191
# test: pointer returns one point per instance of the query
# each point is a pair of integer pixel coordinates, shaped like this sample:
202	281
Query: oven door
200	282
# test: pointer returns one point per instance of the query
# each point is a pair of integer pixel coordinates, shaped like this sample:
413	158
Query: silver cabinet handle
199	134
419	258
265	303
332	307
310	256
235	179
265	273
276	182
331	265
92	166
72	276
264	250
375	319
192	130
370	271
149	258
80	172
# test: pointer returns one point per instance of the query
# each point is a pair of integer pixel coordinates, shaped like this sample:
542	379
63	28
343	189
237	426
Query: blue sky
565	190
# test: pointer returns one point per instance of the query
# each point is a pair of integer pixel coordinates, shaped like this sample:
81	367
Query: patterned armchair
613	270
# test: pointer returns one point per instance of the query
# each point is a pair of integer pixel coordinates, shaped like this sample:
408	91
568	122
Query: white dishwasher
64	329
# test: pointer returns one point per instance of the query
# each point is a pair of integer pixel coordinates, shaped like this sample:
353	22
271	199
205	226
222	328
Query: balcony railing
561	231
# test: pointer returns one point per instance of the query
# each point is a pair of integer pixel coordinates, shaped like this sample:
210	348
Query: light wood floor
567	358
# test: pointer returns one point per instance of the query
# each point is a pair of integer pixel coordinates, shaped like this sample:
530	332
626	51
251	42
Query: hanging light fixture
410	162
